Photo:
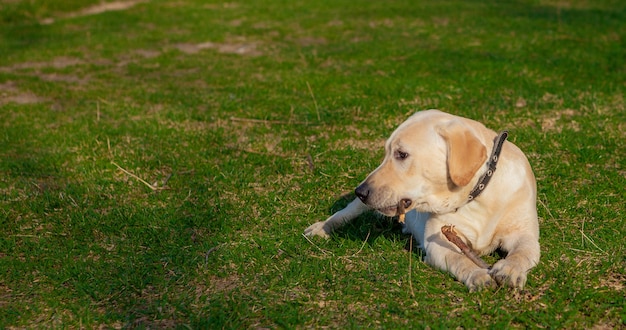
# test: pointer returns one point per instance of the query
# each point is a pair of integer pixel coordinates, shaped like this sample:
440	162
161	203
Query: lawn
159	160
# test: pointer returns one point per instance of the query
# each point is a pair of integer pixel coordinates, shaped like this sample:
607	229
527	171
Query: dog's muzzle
363	192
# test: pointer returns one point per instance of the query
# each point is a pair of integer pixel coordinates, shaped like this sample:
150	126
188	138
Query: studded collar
491	166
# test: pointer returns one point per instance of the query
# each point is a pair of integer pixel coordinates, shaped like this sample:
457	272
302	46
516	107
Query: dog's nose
362	191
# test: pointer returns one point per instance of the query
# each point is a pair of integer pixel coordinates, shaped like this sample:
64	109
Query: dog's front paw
508	273
479	279
318	229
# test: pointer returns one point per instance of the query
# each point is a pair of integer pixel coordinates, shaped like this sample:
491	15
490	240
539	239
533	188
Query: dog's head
430	160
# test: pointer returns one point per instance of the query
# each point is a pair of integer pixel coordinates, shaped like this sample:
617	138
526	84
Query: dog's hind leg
340	218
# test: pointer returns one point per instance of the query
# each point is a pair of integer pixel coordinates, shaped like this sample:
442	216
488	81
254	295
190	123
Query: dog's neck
491	166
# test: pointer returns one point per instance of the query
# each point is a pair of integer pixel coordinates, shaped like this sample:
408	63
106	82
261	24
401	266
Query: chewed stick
401	212
448	232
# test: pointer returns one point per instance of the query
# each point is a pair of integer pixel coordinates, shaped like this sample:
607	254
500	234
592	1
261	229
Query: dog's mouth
390	210
397	209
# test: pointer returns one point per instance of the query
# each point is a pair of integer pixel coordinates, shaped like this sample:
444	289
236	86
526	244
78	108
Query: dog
442	170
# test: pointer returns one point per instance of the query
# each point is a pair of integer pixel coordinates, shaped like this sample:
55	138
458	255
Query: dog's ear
466	154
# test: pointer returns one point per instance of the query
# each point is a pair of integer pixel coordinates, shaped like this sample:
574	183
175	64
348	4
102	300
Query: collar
491	166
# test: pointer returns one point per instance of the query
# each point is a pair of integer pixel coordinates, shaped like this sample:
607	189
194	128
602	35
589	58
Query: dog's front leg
442	254
522	255
340	218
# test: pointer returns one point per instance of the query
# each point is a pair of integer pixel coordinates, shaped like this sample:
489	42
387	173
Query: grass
248	121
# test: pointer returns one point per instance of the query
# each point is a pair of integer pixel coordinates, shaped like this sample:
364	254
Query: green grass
252	119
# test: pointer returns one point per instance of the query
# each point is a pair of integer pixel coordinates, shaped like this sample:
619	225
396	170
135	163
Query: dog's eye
401	155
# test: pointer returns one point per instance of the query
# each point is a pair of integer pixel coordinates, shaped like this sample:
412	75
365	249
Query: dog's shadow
370	225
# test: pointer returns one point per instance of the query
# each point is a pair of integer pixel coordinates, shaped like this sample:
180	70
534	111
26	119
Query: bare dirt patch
549	123
225	5
96	9
147	53
613	281
60	62
10	93
571	4
311	41
22	98
239	48
108	6
56	77
360	138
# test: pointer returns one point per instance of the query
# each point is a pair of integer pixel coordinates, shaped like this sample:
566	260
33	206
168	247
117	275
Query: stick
401	212
363	245
317	247
410	270
448	232
309	161
154	188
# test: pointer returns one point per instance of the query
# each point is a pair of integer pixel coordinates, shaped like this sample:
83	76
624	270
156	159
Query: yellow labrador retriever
441	169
